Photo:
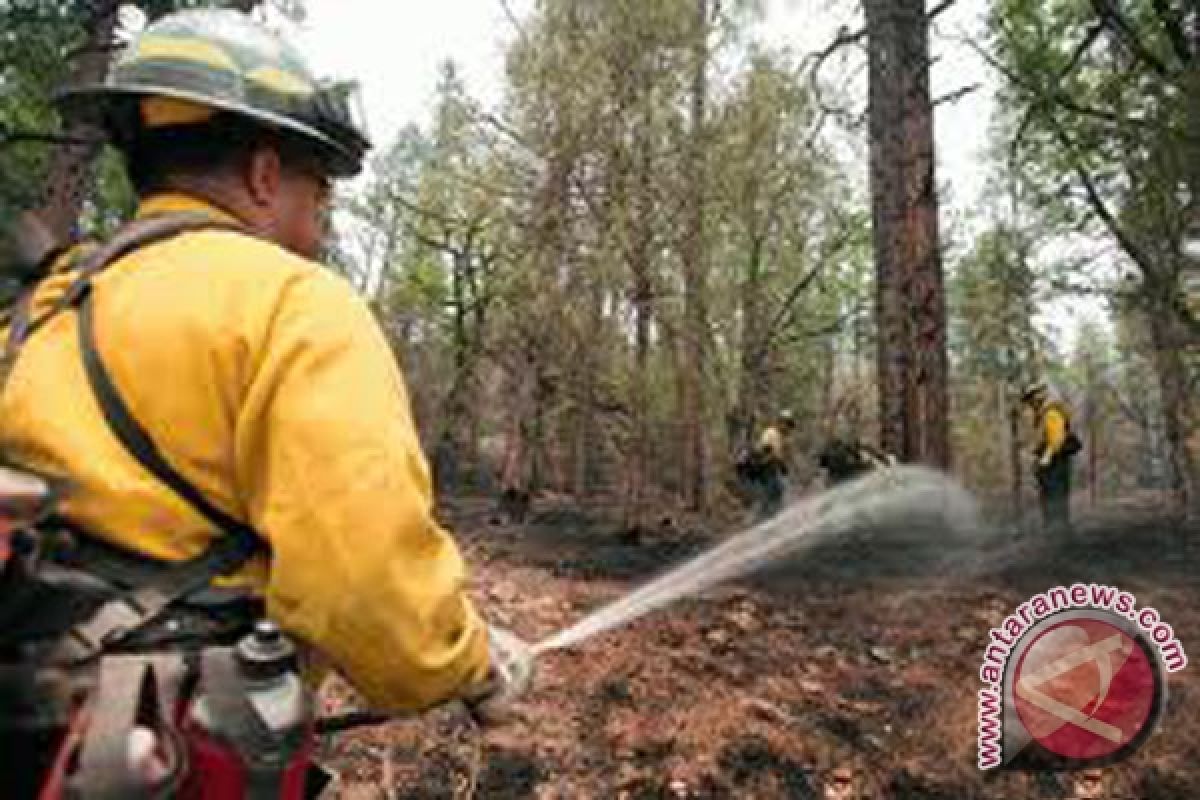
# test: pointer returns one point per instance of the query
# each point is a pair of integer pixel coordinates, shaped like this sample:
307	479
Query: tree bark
695	337
587	468
1091	411
70	173
1014	453
1165	336
752	377
643	309
910	300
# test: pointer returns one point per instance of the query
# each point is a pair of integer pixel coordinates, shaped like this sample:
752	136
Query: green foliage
992	297
39	42
1098	112
994	350
1099	107
535	252
33	40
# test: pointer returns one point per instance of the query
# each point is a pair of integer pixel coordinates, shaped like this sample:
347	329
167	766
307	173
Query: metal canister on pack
250	728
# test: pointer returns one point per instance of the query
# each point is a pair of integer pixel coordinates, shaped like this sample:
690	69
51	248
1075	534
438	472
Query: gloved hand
511	674
1041	474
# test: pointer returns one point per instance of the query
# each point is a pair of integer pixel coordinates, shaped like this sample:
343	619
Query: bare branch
1085	44
937	10
845	38
835	326
957	94
105	48
413	207
10	137
1118	24
512	18
1081	49
1174	28
1131	247
1056	97
785	311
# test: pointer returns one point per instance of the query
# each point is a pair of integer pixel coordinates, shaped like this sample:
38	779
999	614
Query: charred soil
851	672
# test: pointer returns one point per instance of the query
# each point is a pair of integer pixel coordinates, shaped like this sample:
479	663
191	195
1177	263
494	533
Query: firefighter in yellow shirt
771	461
1055	446
260	376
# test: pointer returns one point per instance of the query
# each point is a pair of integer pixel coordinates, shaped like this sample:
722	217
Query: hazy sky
394	47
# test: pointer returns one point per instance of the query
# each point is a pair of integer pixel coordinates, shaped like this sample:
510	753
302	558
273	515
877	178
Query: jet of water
887	496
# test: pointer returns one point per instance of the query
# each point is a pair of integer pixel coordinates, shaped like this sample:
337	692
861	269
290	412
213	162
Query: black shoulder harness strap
120	617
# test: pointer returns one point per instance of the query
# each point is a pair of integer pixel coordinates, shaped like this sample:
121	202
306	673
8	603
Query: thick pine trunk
910	301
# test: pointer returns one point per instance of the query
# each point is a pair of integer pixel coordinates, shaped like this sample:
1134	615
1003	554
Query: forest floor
850	673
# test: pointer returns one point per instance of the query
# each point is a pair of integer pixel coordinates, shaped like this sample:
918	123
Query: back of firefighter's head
210	102
1035	394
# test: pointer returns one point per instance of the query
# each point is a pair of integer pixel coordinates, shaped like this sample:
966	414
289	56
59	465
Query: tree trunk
910	301
643	309
457	429
1014	460
752	378
586	464
70	173
1165	336
1091	412
695	336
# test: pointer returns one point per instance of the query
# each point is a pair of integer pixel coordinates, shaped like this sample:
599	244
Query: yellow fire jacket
267	384
1051	429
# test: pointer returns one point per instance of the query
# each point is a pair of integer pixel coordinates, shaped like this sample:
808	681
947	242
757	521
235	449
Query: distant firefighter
764	468
507	473
1055	446
846	459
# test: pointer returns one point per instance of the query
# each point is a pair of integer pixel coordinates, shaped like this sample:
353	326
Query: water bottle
256	743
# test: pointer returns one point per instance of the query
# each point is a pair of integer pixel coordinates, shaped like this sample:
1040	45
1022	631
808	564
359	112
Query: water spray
894	496
900	497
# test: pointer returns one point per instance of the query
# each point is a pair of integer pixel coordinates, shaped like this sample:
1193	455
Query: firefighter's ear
264	176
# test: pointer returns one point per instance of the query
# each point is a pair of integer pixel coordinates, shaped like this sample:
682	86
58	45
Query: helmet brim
95	103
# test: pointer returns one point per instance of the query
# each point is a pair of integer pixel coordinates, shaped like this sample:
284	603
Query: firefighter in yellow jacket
260	375
771	455
1055	446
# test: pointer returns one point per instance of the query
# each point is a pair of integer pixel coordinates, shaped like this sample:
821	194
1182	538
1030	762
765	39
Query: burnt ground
850	672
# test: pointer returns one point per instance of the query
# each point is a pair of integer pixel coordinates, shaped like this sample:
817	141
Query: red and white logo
1074	677
1084	689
